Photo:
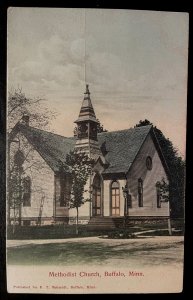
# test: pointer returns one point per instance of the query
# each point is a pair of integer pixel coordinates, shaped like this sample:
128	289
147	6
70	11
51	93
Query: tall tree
79	166
176	166
15	187
100	127
17	106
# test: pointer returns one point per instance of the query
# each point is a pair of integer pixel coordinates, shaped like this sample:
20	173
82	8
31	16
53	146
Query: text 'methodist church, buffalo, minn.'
129	158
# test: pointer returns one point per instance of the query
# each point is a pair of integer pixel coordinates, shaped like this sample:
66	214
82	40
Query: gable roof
52	147
119	147
122	147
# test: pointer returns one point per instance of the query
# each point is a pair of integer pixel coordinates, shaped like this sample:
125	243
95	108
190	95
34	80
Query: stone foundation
147	220
44	221
81	220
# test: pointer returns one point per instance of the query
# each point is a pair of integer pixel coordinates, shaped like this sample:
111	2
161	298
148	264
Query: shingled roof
121	147
52	147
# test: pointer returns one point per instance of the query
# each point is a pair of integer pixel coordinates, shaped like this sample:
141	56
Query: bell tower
87	128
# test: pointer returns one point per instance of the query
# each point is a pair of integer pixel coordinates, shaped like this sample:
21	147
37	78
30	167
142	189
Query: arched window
27	191
140	192
62	192
96	196
158	195
115	199
19	158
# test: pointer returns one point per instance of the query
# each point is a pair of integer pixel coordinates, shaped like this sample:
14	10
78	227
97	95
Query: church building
128	165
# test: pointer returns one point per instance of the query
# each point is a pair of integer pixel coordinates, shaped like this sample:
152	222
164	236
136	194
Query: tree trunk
20	195
8	185
169	220
76	220
169	227
14	219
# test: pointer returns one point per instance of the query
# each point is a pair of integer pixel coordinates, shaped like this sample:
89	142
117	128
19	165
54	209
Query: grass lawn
146	251
60	231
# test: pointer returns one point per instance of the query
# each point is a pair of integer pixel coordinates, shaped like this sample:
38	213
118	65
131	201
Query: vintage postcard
96	121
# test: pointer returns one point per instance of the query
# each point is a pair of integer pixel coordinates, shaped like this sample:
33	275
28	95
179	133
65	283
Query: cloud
136	64
55	50
105	72
77	50
57	64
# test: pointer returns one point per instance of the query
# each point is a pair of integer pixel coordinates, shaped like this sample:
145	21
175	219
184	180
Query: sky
135	63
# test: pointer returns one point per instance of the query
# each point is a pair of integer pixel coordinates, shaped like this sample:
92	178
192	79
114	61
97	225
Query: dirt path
141	240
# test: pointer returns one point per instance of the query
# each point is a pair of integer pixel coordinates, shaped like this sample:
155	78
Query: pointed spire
87	112
87	90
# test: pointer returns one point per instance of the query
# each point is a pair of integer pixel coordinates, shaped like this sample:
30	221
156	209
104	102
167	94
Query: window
140	192
27	191
158	196
96	196
129	201
62	192
63	189
115	199
19	158
149	163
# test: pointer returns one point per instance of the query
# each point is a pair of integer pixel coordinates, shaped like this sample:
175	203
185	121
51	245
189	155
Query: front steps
106	223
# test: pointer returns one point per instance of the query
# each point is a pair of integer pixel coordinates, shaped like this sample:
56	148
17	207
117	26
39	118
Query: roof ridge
121	130
71	137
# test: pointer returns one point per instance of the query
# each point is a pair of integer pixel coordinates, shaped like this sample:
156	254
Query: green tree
100	127
143	123
164	190
79	167
15	194
18	104
176	167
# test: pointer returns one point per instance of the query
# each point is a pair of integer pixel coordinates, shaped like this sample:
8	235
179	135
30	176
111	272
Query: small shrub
121	235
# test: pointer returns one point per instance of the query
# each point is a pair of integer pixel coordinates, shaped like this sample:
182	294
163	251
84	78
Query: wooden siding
42	180
149	177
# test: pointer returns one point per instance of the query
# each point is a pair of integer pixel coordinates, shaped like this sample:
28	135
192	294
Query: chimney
25	120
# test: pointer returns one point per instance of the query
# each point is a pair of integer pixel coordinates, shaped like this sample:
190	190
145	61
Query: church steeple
86	112
87	122
87	128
